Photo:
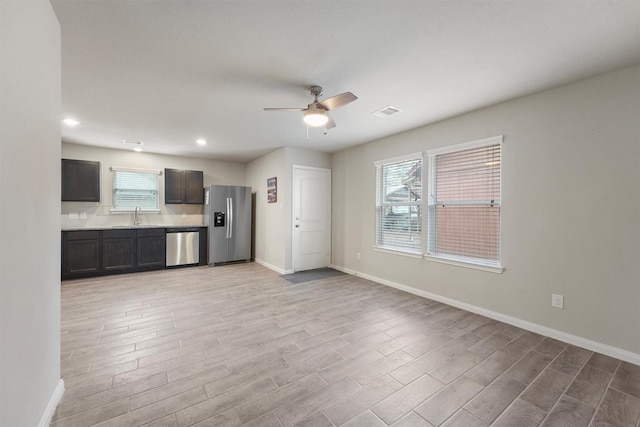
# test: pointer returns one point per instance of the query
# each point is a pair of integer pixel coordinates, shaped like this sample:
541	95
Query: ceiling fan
316	114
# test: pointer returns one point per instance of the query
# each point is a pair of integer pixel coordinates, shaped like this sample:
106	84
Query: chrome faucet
137	213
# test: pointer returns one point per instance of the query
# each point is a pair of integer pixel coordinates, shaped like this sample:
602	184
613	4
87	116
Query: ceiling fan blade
330	123
338	101
284	109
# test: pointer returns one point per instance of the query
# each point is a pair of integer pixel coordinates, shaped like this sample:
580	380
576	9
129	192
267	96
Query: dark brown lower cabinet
87	253
151	248
80	253
118	251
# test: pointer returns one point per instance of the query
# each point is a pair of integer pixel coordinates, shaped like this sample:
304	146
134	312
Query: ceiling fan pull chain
307	132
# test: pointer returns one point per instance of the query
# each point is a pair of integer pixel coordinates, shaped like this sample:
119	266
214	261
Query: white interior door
311	218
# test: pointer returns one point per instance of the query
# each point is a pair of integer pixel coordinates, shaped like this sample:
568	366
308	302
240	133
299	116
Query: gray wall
570	210
272	231
29	214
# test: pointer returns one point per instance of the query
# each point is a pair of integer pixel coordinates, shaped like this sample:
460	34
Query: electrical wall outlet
557	301
83	215
358	256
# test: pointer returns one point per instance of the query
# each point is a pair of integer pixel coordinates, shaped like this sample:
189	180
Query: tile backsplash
89	214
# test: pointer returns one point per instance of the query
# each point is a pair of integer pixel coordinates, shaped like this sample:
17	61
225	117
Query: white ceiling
169	72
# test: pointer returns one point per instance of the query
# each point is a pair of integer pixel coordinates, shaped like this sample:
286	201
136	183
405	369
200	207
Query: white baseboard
53	404
608	350
272	267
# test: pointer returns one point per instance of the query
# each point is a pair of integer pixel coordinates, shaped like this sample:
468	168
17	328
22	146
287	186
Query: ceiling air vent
387	111
132	142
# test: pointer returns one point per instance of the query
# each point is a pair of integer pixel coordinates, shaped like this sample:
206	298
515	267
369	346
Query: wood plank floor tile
390	363
545	391
453	368
412	420
589	385
95	415
168	421
365	419
617	409
550	347
490	368
398	404
349	407
278	397
490	344
224	401
491	401
69	406
528	367
167	390
447	401
342	369
298	409
224	419
522	345
569	412
627	379
605	363
418	367
267	420
220	346
464	418
571	360
521	414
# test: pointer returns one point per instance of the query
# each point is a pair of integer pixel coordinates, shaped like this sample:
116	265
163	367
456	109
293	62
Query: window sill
398	252
491	269
127	210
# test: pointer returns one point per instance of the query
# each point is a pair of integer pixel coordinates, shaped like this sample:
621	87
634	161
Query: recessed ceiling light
201	141
71	122
137	149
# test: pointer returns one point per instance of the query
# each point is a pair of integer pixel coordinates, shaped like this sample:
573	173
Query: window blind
132	189
464	203
399	204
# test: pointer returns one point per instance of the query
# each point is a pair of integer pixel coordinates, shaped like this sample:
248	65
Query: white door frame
293	211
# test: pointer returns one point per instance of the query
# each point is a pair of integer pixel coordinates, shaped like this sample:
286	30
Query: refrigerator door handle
230	218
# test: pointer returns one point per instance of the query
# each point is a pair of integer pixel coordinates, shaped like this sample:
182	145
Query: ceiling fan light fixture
315	116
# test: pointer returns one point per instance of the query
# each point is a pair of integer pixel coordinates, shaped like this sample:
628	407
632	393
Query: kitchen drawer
118	234
82	235
150	232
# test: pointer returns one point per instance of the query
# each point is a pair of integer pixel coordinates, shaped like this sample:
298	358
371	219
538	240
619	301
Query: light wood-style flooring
239	345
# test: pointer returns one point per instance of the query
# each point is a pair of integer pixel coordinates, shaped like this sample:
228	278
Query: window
399	204
464	202
132	188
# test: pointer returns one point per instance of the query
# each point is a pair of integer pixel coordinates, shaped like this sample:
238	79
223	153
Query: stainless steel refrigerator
227	214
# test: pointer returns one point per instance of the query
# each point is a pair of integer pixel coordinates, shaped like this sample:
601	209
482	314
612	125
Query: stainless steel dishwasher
183	246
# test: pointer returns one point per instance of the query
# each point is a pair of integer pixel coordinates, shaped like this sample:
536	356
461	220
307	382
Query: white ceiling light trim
70	122
315	116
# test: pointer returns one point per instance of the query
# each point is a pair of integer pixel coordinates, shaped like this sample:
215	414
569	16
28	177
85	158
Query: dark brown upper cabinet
183	187
80	181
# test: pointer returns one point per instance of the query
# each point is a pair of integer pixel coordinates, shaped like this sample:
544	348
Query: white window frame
417	252
115	209
463	261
